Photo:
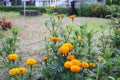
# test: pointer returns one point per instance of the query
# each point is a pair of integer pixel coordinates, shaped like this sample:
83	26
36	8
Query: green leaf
108	53
118	78
89	78
110	77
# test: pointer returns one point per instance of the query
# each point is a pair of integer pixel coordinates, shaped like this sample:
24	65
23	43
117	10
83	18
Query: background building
63	2
45	2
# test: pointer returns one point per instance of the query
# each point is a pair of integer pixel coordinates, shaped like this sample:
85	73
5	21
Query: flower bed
72	52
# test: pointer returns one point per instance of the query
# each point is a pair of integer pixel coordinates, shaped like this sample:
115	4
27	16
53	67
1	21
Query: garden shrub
18	8
71	44
5	24
115	8
12	69
62	10
64	60
85	9
94	10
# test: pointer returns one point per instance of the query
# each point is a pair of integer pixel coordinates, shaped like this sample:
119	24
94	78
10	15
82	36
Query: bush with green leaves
18	8
12	69
94	10
92	54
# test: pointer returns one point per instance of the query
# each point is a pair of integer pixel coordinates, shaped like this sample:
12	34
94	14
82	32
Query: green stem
30	72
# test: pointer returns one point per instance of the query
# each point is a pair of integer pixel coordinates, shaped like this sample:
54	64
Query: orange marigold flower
118	30
70	46
85	65
31	61
80	39
56	39
93	65
44	58
23	70
63	50
12	57
58	16
70	57
75	68
76	62
53	6
67	64
72	16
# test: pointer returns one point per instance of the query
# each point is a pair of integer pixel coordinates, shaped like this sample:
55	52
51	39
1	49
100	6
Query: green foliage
1	33
18	8
94	10
114	2
83	44
89	48
116	39
84	9
9	44
11	61
62	10
53	67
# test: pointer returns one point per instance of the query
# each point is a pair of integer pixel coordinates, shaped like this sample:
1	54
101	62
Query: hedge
18	8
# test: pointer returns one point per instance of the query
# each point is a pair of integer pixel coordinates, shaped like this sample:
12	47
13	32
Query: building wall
63	2
47	2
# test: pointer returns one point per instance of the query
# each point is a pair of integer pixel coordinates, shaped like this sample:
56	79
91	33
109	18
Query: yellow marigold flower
56	39
93	65
53	6
23	70
63	50
17	71
80	39
85	65
67	64
70	46
58	16
70	57
12	57
75	68
31	61
118	30
14	71
76	62
72	16
44	58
